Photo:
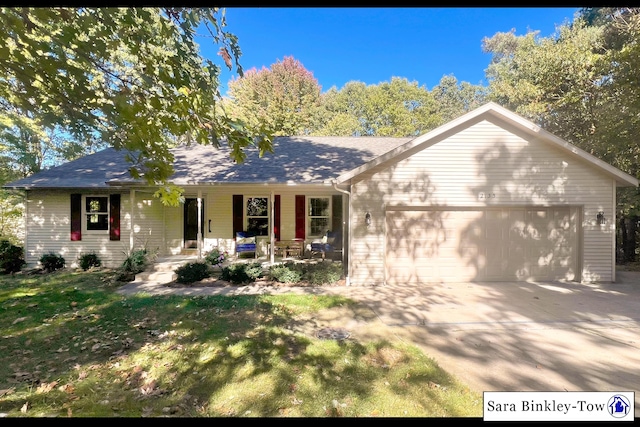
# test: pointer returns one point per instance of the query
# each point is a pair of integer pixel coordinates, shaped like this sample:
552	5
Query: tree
556	82
282	98
454	99
132	78
396	108
341	112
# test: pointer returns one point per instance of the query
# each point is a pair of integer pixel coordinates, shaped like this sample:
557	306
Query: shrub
192	272
241	273
87	261
323	273
52	262
216	257
11	257
136	261
286	273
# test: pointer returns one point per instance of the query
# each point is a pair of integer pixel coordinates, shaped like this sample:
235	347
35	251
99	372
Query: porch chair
329	245
245	242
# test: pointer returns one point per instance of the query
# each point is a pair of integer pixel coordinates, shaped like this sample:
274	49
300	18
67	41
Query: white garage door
494	244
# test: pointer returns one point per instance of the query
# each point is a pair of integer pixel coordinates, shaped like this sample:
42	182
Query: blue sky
372	45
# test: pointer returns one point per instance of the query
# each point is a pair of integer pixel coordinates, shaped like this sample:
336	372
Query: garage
433	245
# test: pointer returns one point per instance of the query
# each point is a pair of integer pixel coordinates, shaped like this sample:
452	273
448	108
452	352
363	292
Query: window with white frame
96	213
319	215
257	215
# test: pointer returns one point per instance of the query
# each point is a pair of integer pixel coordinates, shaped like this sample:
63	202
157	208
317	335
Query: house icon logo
618	406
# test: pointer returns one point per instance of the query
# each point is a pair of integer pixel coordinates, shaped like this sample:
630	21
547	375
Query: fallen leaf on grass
46	387
25	408
67	388
19	319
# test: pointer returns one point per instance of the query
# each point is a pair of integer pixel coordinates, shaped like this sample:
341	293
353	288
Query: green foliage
136	261
86	261
216	257
74	79
396	108
289	272
322	273
11	257
192	272
11	219
242	272
455	99
52	262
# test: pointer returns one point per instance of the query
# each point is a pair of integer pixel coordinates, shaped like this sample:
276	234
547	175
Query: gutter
346	266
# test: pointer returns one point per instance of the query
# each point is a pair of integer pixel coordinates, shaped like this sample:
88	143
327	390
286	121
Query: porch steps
163	269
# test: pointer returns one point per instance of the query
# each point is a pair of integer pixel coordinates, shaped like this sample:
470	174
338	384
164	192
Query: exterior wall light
367	219
600	218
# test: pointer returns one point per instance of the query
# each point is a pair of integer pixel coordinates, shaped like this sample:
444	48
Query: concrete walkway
492	336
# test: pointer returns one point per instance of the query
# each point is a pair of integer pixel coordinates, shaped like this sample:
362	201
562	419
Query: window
257	214
319	215
96	210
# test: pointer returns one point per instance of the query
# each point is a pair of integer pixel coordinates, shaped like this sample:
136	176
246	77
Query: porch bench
289	248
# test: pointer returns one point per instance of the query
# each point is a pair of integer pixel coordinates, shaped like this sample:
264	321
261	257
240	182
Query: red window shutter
238	211
300	216
114	217
76	217
276	220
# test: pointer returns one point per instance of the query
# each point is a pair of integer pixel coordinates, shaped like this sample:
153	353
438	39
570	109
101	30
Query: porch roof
295	160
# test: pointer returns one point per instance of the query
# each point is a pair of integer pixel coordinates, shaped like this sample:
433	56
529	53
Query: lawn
70	346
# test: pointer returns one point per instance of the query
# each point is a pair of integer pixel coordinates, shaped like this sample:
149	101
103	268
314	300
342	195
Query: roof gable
495	111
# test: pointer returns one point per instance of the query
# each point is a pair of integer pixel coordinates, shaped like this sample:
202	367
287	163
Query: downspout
614	232
199	233
346	267
132	202
272	236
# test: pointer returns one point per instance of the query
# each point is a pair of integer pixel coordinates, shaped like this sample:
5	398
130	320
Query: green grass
70	346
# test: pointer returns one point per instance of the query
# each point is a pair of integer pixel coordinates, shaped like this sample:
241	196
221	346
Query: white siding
49	228
148	229
483	165
155	226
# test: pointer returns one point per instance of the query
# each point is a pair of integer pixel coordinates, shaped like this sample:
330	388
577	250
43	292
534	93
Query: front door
191	222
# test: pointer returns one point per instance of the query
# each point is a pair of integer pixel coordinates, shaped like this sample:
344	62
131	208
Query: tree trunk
629	240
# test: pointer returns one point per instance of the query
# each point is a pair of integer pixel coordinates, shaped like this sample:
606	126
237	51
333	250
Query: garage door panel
494	244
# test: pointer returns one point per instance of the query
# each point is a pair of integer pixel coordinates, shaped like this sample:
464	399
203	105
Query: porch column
132	202
199	235
272	236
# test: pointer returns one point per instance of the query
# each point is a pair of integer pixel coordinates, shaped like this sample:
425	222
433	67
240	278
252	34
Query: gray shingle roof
295	159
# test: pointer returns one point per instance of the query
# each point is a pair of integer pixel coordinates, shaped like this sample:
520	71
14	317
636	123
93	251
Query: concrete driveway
522	336
493	336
